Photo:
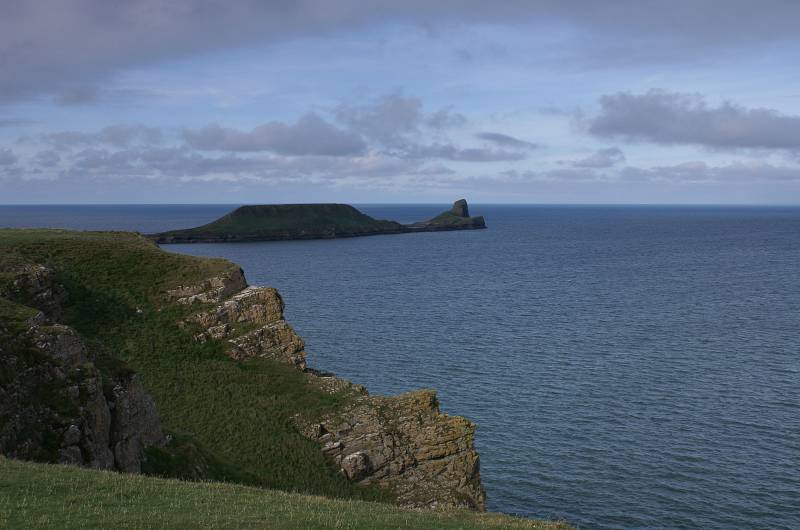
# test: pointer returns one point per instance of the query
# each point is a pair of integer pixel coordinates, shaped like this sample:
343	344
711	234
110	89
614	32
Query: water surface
627	367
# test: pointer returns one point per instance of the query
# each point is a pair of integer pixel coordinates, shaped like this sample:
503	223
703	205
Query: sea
626	366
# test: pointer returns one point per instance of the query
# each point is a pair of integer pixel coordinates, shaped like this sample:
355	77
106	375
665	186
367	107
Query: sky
274	101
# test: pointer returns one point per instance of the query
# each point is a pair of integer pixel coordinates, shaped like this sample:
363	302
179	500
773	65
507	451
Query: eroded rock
57	407
212	290
405	444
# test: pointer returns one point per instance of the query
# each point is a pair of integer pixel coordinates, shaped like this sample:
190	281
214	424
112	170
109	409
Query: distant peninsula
282	222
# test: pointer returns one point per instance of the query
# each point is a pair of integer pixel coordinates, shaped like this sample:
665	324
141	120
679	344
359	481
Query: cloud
506	140
700	172
77	96
48	158
675	118
600	159
310	135
114	135
7	157
12	122
50	46
458	154
389	120
445	119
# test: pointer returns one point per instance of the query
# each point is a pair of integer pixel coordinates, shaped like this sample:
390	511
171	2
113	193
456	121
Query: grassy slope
266	220
241	413
47	496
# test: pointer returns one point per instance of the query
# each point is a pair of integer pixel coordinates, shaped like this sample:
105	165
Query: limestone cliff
55	404
401	443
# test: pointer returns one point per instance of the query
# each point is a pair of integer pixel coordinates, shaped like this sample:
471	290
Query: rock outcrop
405	444
252	324
212	290
456	218
55	405
402	443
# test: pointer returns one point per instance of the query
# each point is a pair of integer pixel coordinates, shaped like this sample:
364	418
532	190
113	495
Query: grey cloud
51	46
395	120
458	154
388	120
170	163
601	159
77	96
506	140
445	119
48	158
675	118
698	171
311	135
7	157
694	172
11	122
114	135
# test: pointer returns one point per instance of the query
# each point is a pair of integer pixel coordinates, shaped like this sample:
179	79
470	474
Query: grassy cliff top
285	221
240	413
45	496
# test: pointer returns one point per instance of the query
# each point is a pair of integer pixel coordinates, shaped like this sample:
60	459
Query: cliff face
404	443
55	404
67	397
401	443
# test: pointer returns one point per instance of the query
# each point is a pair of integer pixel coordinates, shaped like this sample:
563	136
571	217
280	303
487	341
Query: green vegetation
240	414
271	222
284	221
45	496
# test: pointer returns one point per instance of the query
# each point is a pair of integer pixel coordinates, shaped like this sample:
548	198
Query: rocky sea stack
280	222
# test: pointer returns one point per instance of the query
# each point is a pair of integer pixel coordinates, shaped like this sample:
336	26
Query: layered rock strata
252	325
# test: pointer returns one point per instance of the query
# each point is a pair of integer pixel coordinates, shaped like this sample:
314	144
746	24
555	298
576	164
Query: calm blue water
627	367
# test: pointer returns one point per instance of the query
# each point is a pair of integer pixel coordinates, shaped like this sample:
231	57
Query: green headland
311	221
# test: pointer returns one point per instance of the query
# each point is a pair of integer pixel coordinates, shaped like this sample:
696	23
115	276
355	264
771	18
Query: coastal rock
405	444
275	341
60	342
35	285
135	424
460	208
234	319
212	290
56	406
255	305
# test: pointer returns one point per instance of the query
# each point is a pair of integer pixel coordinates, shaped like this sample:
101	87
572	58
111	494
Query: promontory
281	222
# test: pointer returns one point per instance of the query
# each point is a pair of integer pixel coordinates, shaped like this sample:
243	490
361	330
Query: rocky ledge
401	443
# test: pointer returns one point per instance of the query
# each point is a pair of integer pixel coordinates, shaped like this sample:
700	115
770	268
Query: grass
240	414
45	496
284	221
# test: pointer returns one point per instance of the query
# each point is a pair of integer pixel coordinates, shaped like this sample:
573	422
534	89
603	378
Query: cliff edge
117	355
